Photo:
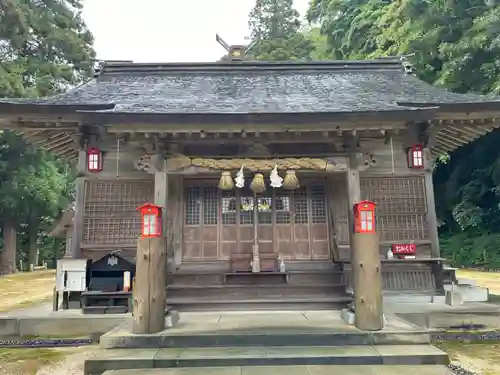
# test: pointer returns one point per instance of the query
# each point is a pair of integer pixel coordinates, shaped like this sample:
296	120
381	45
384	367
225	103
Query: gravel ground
460	370
72	364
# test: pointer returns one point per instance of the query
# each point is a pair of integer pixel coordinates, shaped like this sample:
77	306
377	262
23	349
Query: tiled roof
256	87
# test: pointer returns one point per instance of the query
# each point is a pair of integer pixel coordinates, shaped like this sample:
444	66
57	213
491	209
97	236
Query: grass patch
28	361
26	289
479	357
490	280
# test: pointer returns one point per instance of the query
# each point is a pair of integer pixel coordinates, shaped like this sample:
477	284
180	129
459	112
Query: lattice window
193	203
265	207
401	206
300	206
110	215
283	207
246	202
229	208
210	205
318	204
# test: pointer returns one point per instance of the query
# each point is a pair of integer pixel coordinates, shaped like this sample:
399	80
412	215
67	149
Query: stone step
295	370
265	337
255	290
293	277
135	359
303	303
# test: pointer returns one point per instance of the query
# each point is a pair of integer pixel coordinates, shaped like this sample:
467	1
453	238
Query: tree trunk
367	282
8	253
149	289
32	242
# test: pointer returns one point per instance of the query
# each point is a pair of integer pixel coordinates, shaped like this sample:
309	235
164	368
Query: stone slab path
294	370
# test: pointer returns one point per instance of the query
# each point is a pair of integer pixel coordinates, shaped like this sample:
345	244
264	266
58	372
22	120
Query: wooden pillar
149	286
431	211
77	236
69	239
365	262
367	282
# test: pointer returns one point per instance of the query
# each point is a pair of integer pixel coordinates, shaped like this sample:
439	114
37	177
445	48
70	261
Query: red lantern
416	156
151	222
364	217
94	160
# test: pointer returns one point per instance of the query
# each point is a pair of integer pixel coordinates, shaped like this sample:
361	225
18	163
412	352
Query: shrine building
257	166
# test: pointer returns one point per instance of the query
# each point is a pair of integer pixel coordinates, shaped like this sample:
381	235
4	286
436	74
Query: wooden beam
79	205
449	139
455	135
261	128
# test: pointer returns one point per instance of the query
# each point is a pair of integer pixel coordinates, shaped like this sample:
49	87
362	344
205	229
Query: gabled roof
254	87
249	92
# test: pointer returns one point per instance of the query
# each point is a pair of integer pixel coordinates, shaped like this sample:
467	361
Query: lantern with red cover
151	220
416	156
364	217
94	160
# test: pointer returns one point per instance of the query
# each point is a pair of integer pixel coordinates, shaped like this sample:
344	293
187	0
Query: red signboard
402	249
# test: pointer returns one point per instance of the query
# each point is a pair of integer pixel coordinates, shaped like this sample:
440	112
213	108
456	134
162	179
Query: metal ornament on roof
239	180
112	261
275	179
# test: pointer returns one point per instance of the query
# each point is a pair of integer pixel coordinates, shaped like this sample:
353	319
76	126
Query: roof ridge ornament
236	52
407	66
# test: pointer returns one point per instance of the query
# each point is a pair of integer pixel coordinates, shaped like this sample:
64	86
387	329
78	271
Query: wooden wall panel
401	207
110	216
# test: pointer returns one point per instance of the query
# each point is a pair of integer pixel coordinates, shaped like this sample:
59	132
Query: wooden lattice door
290	224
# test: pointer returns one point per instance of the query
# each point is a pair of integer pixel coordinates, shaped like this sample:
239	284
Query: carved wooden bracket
362	161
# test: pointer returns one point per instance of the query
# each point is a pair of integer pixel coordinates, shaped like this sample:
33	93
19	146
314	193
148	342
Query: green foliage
454	44
276	26
45	48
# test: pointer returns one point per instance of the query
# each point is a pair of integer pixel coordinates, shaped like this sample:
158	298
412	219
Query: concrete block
54	327
171	319
474	294
453	298
348	316
9	327
462	281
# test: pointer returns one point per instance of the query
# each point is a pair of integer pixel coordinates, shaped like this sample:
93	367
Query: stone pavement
294	370
269	322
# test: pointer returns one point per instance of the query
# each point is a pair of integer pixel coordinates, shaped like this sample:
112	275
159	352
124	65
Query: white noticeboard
71	275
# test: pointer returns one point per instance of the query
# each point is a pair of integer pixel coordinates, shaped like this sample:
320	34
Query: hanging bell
291	181
258	185
226	181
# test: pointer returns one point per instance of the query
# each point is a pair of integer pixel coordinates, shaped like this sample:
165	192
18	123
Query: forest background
46	48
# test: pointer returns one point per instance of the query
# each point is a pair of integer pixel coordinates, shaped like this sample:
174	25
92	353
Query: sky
168	30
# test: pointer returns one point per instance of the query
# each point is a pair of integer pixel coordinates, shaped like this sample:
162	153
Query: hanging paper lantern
226	181
291	181
258	185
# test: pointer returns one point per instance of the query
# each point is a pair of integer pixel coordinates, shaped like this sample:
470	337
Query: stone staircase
244	291
282	342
